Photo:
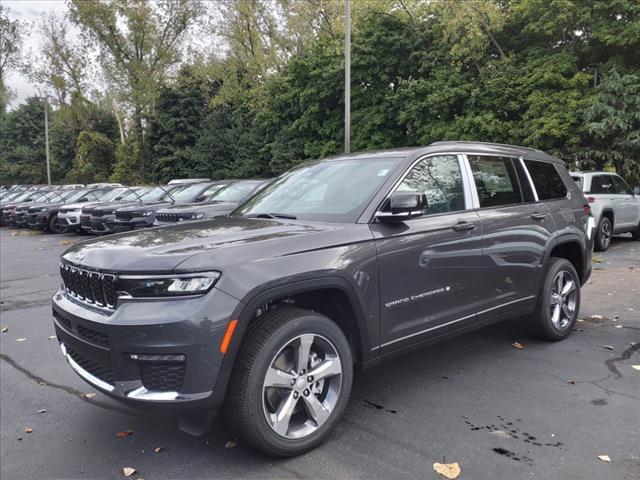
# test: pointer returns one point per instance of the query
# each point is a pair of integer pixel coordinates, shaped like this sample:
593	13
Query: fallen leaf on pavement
52	337
597	317
572	382
605	458
28	430
500	433
128	471
124	433
636	367
42	410
231	444
517	345
158	449
608	347
5	329
447	470
20	339
67	242
579	320
619	326
89	395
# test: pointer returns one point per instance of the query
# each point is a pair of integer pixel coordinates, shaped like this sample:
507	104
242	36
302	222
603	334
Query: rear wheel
558	301
603	235
291	382
53	226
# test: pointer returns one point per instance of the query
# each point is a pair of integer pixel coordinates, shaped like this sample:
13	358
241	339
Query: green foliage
95	156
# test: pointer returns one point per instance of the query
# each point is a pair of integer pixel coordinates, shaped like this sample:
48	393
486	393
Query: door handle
539	216
463	226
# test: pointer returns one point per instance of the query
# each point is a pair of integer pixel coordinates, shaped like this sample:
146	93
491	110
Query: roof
452	146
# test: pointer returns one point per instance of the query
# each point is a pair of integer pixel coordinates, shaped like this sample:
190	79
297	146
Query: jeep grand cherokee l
337	264
614	205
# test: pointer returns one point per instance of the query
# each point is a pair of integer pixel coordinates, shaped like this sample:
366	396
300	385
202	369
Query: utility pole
46	138
347	76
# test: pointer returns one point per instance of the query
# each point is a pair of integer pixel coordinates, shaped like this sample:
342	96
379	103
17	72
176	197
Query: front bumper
69	221
97	344
37	220
119	225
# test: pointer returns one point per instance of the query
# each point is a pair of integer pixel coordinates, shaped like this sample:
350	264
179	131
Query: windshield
16	197
75	196
113	194
234	192
154	195
187	194
134	194
330	191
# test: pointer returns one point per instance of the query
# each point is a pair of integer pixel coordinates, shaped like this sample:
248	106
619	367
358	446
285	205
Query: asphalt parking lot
547	410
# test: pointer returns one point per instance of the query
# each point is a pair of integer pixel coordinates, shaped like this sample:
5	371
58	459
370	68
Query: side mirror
404	206
636	190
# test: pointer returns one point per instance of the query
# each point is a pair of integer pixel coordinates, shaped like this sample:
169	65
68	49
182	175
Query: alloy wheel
605	234
563	299
302	386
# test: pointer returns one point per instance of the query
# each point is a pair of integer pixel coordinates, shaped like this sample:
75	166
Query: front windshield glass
134	194
113	194
330	191
187	194
154	195
75	196
16	197
234	192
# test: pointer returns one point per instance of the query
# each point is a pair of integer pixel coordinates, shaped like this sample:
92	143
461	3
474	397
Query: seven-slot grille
90	286
124	215
173	217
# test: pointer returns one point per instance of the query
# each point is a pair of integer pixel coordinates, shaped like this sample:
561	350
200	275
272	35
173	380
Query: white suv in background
614	205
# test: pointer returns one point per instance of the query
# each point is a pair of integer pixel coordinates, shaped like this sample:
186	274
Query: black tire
541	320
603	235
263	341
52	225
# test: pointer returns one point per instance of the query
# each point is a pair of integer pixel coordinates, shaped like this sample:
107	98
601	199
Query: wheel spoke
555	299
559	281
316	409
278	378
569	287
328	368
567	311
555	317
303	351
282	417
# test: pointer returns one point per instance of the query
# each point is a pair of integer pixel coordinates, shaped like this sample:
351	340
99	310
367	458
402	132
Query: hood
150	207
211	244
200	207
36	206
115	205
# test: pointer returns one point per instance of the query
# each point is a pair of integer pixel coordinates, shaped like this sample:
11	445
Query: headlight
167	285
145	213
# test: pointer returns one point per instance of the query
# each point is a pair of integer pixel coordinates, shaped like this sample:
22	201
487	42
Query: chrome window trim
533	187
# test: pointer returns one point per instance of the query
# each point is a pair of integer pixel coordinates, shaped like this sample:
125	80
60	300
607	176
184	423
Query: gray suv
336	265
615	206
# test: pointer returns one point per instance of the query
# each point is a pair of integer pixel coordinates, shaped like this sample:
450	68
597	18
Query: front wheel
603	235
53	226
291	382
558	301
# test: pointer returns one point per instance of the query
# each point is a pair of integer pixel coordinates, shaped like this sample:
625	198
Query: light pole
46	133
347	76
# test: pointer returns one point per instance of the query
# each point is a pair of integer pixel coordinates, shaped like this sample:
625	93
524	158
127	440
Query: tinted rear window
601	184
546	179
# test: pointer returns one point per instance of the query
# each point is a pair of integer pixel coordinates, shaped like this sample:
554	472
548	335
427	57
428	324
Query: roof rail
446	142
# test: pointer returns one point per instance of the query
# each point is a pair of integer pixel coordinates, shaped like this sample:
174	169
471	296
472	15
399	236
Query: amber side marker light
227	335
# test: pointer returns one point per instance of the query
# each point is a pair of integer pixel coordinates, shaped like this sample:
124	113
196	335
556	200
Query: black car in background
130	194
59	195
219	204
143	216
8	208
44	216
103	217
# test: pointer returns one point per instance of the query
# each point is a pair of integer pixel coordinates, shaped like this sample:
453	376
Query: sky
28	11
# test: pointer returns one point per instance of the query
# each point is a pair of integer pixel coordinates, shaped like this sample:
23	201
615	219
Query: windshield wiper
272	215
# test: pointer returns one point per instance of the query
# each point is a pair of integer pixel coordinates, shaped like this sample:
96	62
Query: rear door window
621	186
601	184
496	181
546	179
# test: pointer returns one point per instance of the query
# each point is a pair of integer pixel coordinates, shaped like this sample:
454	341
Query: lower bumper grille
103	372
162	377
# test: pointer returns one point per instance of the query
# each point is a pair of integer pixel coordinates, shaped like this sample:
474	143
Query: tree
614	122
94	159
10	44
140	42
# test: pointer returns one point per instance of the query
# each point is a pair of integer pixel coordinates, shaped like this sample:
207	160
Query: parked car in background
70	215
8	208
44	216
132	194
57	195
103	217
339	263
143	216
220	203
614	204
